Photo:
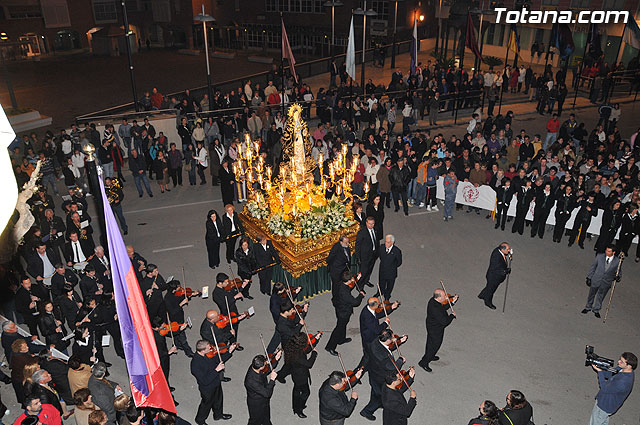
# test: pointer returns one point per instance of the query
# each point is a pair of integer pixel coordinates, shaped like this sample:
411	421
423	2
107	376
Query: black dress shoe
107	364
224	417
369	417
281	379
301	415
249	297
176	403
225	379
239	348
332	352
584	311
490	305
172	389
436	358
425	367
369	284
346	340
597	314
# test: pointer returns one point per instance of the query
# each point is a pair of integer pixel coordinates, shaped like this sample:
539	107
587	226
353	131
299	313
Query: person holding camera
615	387
600	278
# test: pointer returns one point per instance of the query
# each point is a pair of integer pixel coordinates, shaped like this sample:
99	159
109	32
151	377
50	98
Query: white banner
484	197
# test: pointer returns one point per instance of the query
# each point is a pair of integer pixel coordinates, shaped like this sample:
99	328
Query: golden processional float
304	208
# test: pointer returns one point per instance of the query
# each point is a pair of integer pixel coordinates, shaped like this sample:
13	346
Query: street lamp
395	27
364	12
204	18
333	4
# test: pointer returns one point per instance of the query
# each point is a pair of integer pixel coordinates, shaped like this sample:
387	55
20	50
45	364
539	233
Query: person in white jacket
202	160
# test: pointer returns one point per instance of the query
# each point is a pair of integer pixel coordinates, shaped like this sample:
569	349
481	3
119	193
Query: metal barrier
623	84
303	70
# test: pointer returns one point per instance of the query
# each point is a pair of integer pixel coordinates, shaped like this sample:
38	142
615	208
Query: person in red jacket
45	414
553	125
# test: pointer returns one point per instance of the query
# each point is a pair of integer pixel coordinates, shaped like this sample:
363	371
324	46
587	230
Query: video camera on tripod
600	362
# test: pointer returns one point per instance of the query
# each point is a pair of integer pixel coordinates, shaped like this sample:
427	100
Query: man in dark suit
29	296
601	275
343	302
496	273
370	326
152	287
53	227
41	263
437	320
265	256
259	385
397	410
62	278
232	229
367	249
339	260
101	264
207	372
382	362
77	250
390	259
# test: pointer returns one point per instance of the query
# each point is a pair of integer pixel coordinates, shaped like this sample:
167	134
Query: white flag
351	53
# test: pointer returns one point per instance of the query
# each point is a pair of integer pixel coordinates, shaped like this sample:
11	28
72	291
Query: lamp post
127	34
94	186
204	18
364	13
395	27
333	4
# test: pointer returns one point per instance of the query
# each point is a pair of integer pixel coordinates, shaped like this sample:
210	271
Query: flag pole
464	47
506	59
282	62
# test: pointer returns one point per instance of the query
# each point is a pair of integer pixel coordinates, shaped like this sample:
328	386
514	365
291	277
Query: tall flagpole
506	59
282	62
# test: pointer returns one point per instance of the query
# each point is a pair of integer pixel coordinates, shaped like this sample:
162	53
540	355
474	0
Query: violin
398	341
224	349
300	311
171	327
354	282
235	283
387	306
232	318
449	300
269	363
313	339
188	292
294	291
351	376
405	378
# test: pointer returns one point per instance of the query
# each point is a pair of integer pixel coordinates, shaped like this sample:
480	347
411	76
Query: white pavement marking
172	206
172	248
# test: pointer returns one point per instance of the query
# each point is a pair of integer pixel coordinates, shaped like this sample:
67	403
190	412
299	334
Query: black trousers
401	194
339	333
210	400
364	361
32	324
182	343
576	229
558	229
366	268
375	400
231	244
114	331
539	223
434	341
605	239
165	364
299	396
487	293
213	251
203	179
386	286
273	344
259	412
518	223
176	175
501	215
385	199
265	280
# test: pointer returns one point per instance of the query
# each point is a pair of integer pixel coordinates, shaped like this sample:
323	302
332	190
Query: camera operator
615	387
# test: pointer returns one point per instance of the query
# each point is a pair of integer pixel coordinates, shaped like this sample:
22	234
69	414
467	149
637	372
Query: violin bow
296	310
184	285
447	297
226	301
215	340
264	347
400	373
233	276
345	372
387	315
173	338
286	279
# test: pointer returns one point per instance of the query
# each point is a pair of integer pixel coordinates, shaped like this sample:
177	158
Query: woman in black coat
358	214
298	365
375	209
51	327
246	264
83	345
227	181
213	238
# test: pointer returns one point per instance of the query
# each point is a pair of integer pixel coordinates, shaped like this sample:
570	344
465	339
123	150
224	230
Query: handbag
187	166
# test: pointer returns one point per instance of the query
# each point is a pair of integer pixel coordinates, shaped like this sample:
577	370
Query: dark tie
373	238
75	248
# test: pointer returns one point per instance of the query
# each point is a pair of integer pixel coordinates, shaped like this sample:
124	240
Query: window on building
161	10
55	13
104	11
381	8
550	2
613	4
495	35
580	4
24	12
296	6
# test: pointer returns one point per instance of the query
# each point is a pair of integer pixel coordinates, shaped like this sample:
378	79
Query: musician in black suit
298	365
367	249
138	263
437	320
390	259
396	410
102	265
496	273
53	227
259	381
213	237
29	297
339	260
70	303
524	196
90	287
226	300
504	194
289	323
77	250
265	256
245	259
209	327
62	278
207	372
152	286
164	352
174	307
381	363
41	263
544	202
232	229
370	326
335	407
343	302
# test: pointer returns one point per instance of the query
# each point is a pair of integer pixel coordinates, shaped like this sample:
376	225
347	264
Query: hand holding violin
354	395
412	372
220	367
172	350
412	394
387	320
306	307
278	355
233	346
273	375
359	373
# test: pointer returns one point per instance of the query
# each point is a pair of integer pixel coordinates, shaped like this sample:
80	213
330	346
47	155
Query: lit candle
239	150
257	145
366	187
320	159
269	172
344	149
